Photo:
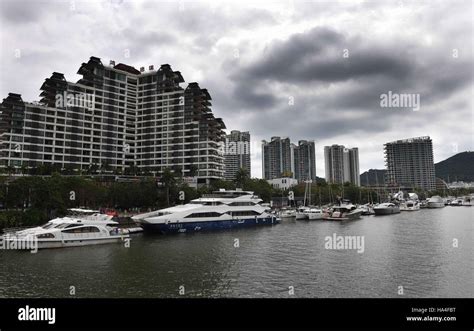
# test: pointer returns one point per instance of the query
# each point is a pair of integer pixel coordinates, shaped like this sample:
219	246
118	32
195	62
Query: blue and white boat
220	210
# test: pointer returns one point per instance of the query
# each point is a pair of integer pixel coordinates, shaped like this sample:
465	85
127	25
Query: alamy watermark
345	242
81	100
400	100
10	242
28	313
228	147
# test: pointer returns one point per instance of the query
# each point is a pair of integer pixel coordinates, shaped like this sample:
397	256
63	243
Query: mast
310	183
319	189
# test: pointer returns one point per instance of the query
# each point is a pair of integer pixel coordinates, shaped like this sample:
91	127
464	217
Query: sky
314	70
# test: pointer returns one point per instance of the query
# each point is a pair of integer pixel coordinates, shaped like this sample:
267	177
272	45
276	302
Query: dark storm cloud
314	60
249	97
318	55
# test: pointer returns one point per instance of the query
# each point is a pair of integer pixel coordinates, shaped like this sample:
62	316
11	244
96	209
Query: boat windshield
63	225
48	225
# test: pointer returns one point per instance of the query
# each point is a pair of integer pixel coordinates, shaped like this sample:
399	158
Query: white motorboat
314	214
435	202
344	212
386	208
410	205
456	202
468	201
301	213
287	214
367	209
68	231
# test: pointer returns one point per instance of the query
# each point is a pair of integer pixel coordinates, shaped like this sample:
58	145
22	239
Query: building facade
410	163
342	164
277	158
237	153
131	118
283	183
304	161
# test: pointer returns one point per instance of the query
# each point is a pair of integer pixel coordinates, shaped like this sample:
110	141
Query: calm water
411	249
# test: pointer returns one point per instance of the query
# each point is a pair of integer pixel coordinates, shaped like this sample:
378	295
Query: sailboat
301	211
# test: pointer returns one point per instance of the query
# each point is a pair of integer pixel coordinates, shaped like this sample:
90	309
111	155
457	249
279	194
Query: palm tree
241	177
10	170
168	180
24	169
193	169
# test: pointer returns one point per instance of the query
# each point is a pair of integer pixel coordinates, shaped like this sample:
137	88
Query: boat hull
187	227
345	217
45	244
435	205
315	216
410	209
386	211
301	216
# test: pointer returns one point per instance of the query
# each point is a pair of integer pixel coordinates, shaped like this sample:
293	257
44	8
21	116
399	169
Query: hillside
459	167
374	177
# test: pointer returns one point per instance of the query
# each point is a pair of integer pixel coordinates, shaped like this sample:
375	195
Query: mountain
374	177
459	167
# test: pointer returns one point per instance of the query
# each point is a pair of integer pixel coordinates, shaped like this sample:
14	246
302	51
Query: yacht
468	201
435	202
314	214
386	208
410	205
456	202
344	212
287	214
367	209
301	213
220	210
71	231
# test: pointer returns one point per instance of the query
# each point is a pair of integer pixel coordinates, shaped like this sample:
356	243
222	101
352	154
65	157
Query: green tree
168	180
241	177
193	170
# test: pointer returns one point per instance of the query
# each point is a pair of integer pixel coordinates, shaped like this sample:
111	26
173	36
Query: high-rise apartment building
237	153
281	158
115	115
342	164
410	163
304	161
277	158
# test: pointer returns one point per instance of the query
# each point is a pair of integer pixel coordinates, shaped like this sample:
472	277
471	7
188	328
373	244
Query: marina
163	164
410	249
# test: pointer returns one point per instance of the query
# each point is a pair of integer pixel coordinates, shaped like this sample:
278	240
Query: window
200	215
212	203
243	203
81	229
244	213
45	235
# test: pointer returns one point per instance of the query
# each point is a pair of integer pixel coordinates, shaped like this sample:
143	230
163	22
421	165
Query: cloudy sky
304	69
